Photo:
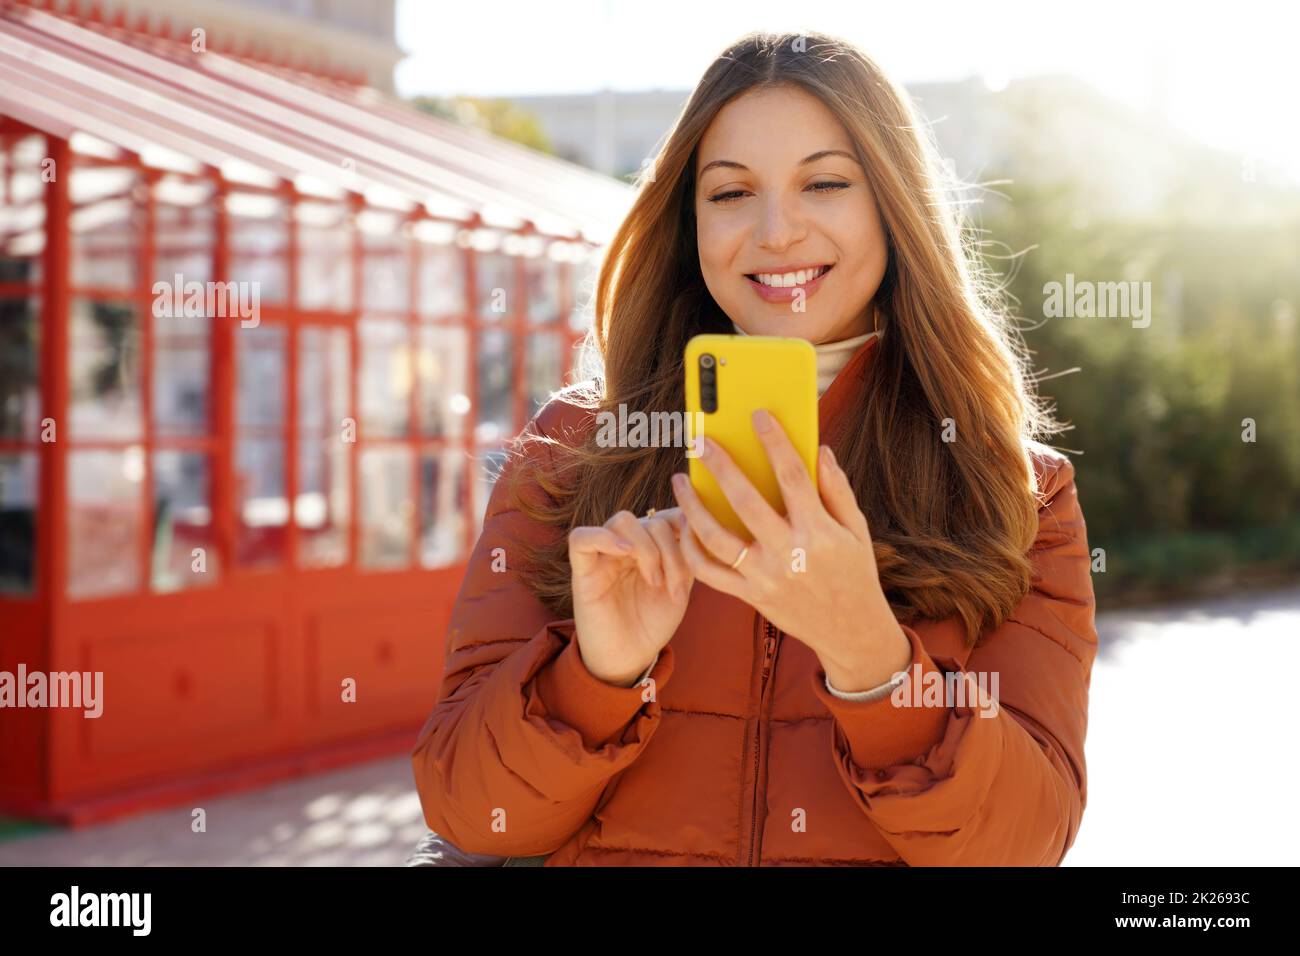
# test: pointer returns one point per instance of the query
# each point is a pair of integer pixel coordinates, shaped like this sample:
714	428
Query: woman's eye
731	195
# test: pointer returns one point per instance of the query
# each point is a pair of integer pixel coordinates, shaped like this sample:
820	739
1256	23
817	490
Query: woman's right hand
631	585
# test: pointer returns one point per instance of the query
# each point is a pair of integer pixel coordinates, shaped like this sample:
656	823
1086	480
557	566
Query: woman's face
790	239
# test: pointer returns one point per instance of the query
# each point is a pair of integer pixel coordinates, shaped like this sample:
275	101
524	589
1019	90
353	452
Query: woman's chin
790	327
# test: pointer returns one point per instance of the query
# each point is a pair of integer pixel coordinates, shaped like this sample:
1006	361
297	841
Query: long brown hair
951	521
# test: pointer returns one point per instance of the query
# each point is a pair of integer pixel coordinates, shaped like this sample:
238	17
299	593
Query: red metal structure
262	336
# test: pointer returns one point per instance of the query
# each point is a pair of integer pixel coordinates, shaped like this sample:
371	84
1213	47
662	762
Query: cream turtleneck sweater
831	356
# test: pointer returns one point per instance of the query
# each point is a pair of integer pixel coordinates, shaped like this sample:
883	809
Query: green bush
1168	485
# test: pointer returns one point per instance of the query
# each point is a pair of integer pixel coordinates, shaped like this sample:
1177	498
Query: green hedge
1168	486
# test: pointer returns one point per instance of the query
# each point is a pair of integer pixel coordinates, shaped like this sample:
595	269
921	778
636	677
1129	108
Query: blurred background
234	508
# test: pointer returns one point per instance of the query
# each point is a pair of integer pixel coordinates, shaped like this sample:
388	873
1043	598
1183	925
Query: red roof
141	93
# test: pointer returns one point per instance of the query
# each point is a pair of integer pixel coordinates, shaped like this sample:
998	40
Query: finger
705	569
674	518
797	489
837	494
587	544
717	540
646	551
676	570
762	520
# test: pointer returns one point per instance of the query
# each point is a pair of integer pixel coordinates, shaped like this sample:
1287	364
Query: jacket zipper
771	642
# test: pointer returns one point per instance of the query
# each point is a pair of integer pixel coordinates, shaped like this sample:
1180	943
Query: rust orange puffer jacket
742	756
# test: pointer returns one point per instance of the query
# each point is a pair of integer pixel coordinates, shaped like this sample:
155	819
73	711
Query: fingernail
762	419
831	455
679	481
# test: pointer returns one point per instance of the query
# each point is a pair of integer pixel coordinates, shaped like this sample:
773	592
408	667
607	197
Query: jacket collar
846	384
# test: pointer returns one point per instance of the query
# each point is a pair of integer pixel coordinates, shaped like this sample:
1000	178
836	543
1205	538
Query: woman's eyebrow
811	158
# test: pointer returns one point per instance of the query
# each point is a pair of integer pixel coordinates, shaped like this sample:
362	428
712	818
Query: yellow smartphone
727	378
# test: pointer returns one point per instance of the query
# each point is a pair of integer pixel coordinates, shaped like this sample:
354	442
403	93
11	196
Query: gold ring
740	557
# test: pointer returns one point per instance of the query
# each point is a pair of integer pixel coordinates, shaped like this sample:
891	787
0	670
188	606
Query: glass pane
105	227
22	201
260	492
263	505
496	285
385	385
488	468
105	520
442	281
324	257
181	370
184	232
442	507
323	371
184	549
443	364
104	370
495	395
387	507
322	507
18	493
386	271
582	282
22	243
20	397
545	368
261	376
543	289
259	245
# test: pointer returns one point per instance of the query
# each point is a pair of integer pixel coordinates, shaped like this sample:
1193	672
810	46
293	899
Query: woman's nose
781	223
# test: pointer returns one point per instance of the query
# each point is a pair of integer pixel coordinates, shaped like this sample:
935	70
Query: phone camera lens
706	361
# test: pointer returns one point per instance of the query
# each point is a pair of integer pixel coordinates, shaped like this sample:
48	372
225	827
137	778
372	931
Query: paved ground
1192	752
1191	761
365	815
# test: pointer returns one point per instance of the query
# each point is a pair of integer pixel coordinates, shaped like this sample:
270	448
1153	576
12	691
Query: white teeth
787	280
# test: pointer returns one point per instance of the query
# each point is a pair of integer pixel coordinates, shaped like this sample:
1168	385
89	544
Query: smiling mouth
789	280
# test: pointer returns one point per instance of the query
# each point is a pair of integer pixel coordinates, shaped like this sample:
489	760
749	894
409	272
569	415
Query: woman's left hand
811	573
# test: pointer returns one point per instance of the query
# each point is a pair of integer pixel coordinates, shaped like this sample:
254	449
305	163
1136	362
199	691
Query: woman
626	685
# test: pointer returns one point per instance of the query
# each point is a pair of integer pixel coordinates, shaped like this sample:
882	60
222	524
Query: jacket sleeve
978	785
523	739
